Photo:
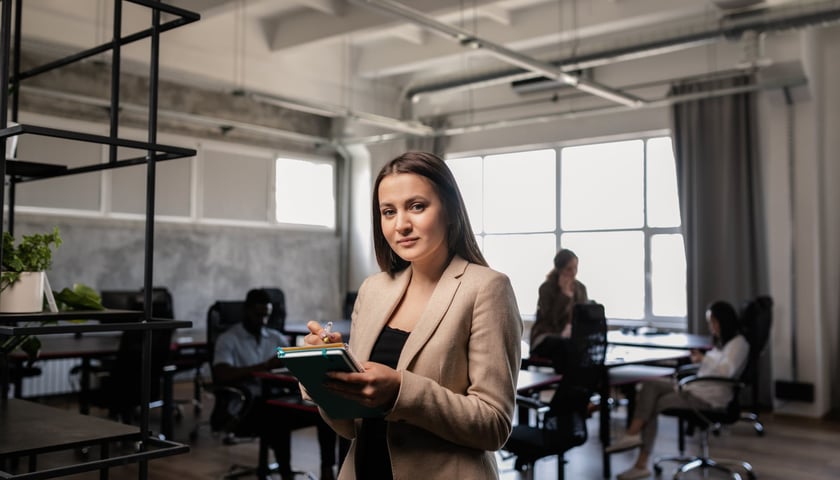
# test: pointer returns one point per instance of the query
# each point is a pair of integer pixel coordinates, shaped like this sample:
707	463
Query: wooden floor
792	448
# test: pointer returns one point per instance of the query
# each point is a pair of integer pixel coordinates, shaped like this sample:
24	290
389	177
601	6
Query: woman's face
714	324
570	270
413	218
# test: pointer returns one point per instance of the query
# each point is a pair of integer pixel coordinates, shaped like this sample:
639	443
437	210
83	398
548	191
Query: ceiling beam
290	30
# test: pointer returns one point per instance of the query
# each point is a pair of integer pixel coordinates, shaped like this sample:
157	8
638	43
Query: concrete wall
198	263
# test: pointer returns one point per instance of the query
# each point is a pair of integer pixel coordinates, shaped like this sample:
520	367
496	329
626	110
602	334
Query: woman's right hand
317	335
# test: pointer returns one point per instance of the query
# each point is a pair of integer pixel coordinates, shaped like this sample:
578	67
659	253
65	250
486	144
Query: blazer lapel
387	298
436	309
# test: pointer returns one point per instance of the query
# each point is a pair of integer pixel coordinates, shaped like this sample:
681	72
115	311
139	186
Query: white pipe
467	39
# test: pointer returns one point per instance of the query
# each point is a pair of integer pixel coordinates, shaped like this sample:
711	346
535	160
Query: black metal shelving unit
15	171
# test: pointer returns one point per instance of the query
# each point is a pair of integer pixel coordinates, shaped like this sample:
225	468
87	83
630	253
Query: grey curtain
719	182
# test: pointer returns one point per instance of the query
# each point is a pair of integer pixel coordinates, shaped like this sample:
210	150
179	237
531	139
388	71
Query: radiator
55	378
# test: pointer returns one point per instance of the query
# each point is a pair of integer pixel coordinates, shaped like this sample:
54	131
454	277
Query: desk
531	381
283	379
675	340
25	434
85	347
98	346
619	356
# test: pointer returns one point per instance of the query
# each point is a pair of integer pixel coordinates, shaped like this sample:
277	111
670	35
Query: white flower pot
24	296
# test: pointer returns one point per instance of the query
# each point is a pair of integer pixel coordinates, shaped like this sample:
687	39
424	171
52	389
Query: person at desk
558	295
727	359
438	334
250	347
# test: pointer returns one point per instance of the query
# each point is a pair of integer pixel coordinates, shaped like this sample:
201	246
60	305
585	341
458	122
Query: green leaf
31	346
81	297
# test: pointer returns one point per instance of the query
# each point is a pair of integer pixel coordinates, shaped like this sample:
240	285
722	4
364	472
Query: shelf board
160	152
88	321
22	168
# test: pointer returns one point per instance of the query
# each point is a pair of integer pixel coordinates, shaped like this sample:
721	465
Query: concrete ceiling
386	65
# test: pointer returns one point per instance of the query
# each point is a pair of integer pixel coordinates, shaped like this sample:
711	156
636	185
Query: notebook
309	364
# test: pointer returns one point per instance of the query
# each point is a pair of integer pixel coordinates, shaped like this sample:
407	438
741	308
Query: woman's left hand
376	387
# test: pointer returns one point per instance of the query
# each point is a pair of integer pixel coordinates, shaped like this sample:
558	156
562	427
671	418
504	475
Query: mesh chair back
277	319
589	338
123	387
756	320
162	303
221	316
124	390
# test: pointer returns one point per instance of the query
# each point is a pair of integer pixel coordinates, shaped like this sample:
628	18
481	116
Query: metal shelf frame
11	12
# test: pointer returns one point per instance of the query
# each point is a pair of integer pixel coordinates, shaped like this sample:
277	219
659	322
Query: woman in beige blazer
438	333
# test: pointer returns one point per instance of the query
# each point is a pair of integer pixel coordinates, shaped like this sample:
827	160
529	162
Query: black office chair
232	403
561	423
756	321
277	319
706	421
119	391
349	303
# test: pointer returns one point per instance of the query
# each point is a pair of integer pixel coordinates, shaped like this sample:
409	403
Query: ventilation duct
730	26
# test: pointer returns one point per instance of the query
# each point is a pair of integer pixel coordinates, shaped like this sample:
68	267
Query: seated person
558	295
727	359
250	347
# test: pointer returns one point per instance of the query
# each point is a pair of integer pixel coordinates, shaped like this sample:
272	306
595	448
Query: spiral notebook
309	364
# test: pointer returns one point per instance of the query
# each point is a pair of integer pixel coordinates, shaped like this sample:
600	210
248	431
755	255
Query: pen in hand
325	335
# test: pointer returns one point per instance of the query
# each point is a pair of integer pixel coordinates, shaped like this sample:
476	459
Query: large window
614	204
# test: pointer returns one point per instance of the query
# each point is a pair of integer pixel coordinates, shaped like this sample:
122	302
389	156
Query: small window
305	192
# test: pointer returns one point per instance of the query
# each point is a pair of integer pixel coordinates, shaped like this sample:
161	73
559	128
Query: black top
372	457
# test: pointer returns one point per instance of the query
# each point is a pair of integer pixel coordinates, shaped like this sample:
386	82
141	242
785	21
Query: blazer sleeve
481	416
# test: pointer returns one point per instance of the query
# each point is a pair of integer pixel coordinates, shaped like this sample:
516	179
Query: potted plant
24	264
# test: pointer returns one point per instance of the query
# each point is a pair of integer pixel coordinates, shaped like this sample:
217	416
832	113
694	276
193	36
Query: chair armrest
532	403
686	370
734	382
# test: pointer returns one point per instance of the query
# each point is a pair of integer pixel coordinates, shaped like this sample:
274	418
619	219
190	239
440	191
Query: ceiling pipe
412	127
788	82
770	19
467	39
663	102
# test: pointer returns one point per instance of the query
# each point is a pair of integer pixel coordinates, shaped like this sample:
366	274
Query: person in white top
727	359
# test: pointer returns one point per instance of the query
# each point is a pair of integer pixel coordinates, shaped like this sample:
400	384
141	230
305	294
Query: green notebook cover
311	363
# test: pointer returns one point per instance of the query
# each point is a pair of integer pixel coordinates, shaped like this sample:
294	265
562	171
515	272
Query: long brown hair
459	235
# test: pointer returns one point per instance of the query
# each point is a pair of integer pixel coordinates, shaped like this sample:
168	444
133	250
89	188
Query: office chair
119	391
277	319
19	371
232	403
561	423
706	421
349	303
756	321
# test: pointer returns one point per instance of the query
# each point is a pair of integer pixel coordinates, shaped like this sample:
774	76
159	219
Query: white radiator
55	378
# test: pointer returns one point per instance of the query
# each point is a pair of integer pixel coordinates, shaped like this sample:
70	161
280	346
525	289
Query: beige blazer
459	369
